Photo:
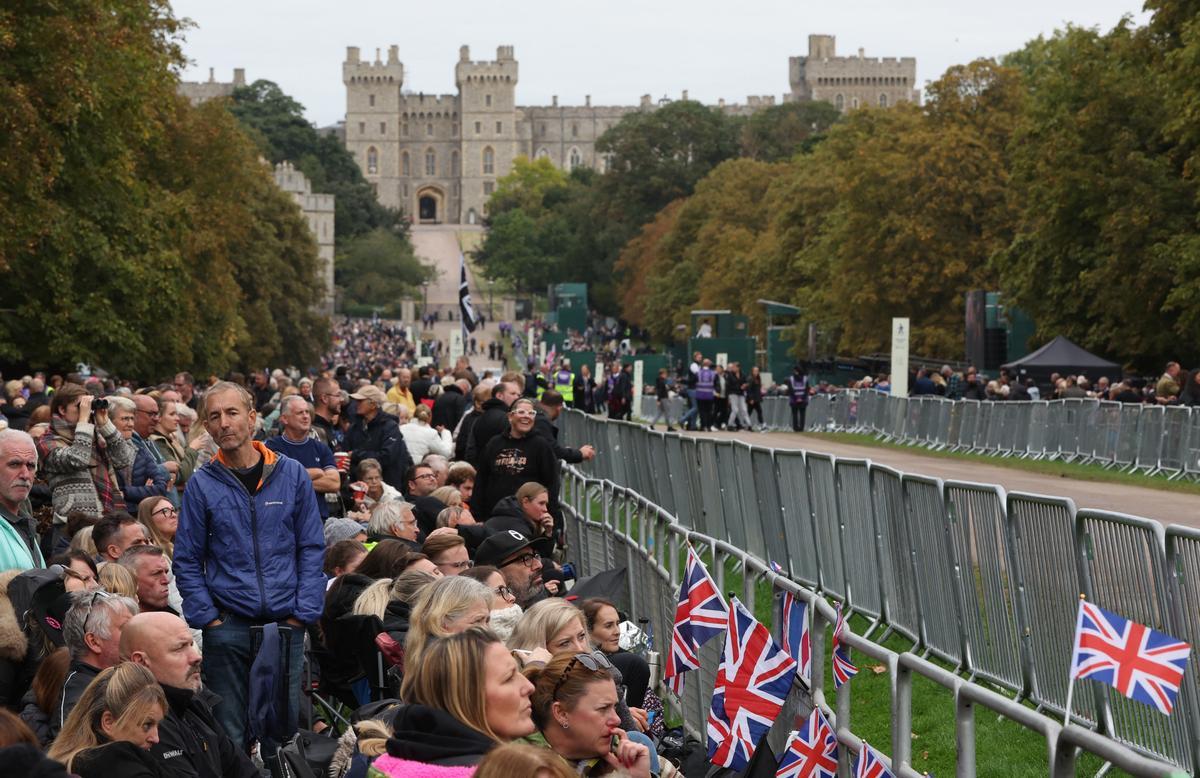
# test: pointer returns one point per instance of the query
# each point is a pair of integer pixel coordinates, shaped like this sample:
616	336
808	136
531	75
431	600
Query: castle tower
372	108
851	82
488	107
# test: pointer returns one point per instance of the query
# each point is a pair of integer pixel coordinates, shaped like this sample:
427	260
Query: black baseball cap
507	543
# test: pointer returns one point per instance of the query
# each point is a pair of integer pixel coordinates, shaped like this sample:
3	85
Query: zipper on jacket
262	589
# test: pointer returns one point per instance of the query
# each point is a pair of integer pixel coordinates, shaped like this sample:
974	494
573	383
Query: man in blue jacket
248	552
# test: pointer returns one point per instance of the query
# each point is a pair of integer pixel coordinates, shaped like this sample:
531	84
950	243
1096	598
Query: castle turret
372	106
488	100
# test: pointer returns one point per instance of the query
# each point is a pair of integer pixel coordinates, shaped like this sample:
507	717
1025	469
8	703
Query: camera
99	404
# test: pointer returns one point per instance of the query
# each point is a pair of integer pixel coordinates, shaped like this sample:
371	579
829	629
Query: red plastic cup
342	460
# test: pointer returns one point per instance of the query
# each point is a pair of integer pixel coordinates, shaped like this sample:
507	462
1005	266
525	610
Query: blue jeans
693	409
226	673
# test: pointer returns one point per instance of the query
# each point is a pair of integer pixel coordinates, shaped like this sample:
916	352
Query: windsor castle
438	156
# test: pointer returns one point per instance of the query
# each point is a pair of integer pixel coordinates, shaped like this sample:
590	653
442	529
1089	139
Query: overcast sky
614	50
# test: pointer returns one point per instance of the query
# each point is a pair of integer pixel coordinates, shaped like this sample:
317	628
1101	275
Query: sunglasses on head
593	660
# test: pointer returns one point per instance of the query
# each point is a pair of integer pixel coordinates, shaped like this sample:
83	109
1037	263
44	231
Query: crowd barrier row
985	581
1139	438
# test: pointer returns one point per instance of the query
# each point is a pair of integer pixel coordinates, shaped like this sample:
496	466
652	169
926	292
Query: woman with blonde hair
555	625
446	607
523	759
467	699
161	520
421	439
448	496
177	458
114	724
117	579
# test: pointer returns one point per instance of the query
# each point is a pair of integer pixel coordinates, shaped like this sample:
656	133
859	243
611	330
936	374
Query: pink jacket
391	767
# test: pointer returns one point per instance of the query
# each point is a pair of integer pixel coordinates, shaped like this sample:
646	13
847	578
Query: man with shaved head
190	741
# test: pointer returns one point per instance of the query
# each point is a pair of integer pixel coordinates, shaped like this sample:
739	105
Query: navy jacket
258	557
133	479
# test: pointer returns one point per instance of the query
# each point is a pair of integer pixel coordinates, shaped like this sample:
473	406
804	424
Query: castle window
883	101
372	160
404	166
574	159
574	129
383	128
404	130
362	128
454	163
487	100
839	102
489	161
499	127
489	187
454	129
542	153
371	100
542	129
429	129
854	103
478	128
430	162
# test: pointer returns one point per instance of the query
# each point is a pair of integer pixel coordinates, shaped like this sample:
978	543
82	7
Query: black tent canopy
1065	358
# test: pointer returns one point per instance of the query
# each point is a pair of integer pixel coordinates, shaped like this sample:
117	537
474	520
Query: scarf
61	435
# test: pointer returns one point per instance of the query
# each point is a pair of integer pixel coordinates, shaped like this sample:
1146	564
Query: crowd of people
196	571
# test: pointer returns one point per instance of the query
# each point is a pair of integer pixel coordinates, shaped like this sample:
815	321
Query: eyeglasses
151	414
527	559
505	593
464	565
167	511
425	475
594	661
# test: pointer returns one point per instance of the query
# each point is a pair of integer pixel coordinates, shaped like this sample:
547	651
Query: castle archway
431	205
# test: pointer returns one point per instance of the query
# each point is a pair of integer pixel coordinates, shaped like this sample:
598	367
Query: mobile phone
616	742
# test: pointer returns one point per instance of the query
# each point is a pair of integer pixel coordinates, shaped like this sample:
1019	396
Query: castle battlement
416	104
354	69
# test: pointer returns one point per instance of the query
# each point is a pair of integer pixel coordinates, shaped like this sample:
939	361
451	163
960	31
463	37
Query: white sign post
638	383
900	333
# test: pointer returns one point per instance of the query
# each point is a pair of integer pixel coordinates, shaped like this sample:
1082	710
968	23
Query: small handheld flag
796	635
843	670
812	752
700	615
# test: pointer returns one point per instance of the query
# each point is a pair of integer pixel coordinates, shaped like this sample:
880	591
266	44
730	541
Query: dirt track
1165	507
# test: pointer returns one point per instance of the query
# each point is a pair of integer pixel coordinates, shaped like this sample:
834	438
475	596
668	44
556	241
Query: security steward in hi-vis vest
564	383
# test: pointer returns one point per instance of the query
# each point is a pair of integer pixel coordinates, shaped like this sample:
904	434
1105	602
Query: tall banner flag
753	682
700	615
843	670
812	752
795	635
1139	662
465	307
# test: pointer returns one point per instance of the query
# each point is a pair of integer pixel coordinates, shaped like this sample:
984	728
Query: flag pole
1071	679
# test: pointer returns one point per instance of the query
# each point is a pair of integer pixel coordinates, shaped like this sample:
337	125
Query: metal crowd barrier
983	581
1138	438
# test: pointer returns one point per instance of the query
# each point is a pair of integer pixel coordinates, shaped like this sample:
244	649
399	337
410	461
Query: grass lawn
1078	471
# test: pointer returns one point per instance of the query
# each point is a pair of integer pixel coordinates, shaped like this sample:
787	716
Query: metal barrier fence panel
1055	419
822	490
770	504
816	418
969	429
859	543
615	464
752	509
1042	538
937	592
901	608
678	480
978	534
731	498
1068	441
711	505
1085	422
660	470
1127	435
1183	572
898	416
1191	461
1174	444
954	424
1039	423
1124	571
798	531
1108	430
1150	437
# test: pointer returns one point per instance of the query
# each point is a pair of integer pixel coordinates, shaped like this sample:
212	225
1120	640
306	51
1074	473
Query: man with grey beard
190	741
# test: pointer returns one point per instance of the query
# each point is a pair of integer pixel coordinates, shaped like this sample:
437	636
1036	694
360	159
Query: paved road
439	245
1165	507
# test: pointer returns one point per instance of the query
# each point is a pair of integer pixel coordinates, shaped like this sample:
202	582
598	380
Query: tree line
144	235
1063	175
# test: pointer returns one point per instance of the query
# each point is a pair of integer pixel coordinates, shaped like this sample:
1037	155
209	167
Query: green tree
277	122
779	132
377	270
1105	250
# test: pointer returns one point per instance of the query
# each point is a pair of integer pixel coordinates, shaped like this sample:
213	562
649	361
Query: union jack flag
1141	663
795	634
843	670
811	752
753	681
869	764
700	616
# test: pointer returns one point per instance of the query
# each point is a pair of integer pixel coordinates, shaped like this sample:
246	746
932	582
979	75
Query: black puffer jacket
492	421
118	759
192	744
508	515
379	439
